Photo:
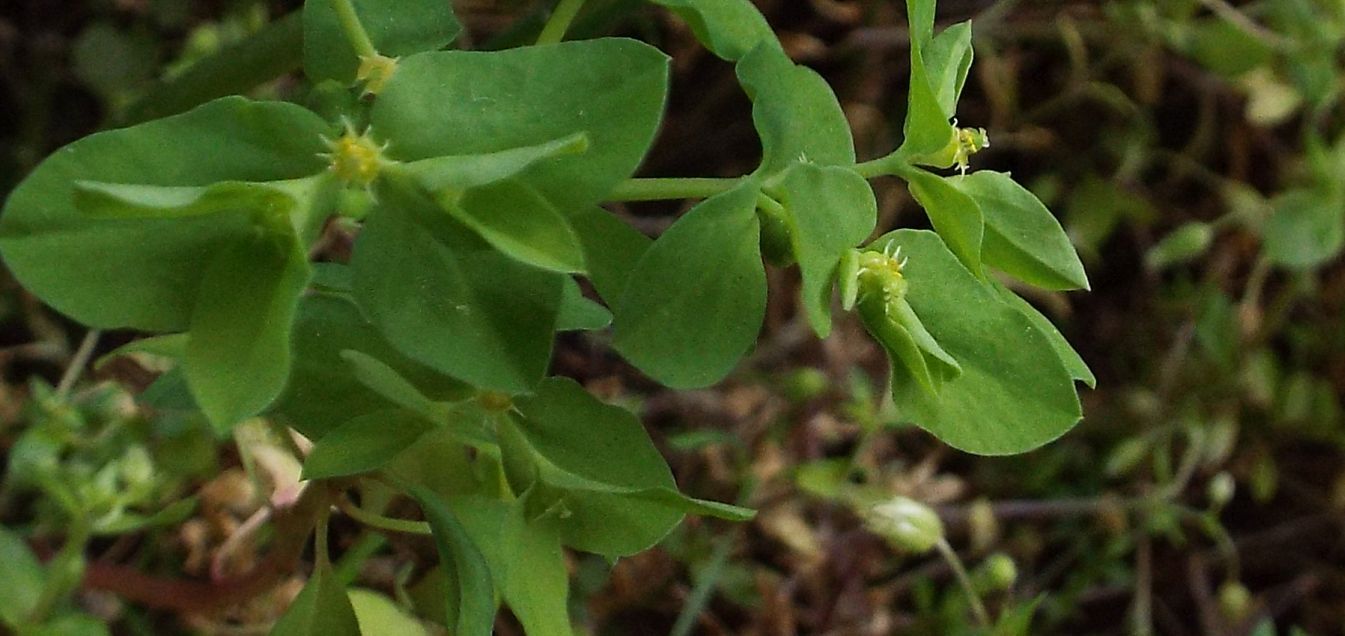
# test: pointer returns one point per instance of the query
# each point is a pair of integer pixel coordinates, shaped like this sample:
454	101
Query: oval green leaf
829	210
1022	238
449	301
238	351
321	609
471	594
1014	393
471	103
322	393
956	216
364	444
695	302
728	28
785	94
148	271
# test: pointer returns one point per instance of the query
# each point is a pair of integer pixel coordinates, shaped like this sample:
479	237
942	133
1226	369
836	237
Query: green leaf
321	609
396	29
471	598
1210	40
1073	362
172	346
148	271
322	393
364	444
611	249
460	173
451	302
1022	238
471	103
947	61
126	522
694	303
955	215
904	337
519	222
829	211
238	353
728	28
1014	393
1306	230
378	615
578	313
300	206
927	129
1186	243
387	382
525	558
236	68
23	576
625	498
783	95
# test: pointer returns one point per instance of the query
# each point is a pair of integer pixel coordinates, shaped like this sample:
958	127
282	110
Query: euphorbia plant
475	181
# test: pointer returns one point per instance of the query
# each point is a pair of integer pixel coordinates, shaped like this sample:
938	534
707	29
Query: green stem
368	544
354	30
960	571
668	189
880	167
559	22
382	523
77	363
320	553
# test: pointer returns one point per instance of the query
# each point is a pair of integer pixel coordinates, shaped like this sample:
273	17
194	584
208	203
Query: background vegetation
1193	150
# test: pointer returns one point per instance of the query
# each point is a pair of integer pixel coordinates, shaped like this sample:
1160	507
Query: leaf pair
694	303
939	67
611	488
988	218
1015	390
486	312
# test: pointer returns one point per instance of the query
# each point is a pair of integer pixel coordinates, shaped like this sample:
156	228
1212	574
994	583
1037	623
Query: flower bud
982	525
906	524
1234	600
998	572
1221	490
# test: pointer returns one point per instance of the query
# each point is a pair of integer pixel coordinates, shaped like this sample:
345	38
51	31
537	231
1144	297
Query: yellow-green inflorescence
356	158
375	71
880	275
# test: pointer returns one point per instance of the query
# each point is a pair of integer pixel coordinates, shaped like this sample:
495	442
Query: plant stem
77	363
320	553
667	189
560	20
704	587
872	169
379	521
354	30
960	571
